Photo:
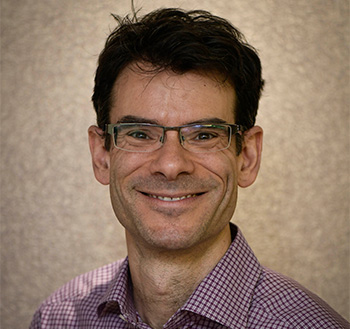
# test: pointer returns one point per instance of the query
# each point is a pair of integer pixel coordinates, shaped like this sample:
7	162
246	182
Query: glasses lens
206	138
138	137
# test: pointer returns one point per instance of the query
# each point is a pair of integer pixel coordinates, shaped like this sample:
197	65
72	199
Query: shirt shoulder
76	300
284	303
95	282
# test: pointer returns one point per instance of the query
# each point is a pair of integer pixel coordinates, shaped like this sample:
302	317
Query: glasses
197	138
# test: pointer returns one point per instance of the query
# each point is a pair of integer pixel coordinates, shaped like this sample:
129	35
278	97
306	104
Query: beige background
56	221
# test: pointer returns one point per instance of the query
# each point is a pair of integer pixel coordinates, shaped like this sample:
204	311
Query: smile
166	198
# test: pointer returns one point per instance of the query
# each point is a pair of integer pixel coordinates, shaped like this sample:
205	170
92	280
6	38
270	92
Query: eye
138	134
202	136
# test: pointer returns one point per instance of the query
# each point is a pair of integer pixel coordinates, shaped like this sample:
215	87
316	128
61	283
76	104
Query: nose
172	160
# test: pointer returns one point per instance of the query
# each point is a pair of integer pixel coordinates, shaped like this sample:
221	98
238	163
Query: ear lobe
99	154
251	156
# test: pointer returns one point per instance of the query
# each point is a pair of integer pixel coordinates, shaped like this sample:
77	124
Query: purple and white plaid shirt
238	293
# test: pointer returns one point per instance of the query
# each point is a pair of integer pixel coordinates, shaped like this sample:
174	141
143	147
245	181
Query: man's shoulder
284	300
77	301
95	282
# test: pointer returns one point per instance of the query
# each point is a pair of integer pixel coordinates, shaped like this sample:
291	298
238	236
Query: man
176	96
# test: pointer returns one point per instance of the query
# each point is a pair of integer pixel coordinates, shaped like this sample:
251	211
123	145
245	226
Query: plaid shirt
238	293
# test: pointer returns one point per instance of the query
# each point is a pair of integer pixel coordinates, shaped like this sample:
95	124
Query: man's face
171	198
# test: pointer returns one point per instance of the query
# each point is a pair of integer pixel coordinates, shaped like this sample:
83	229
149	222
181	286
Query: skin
173	244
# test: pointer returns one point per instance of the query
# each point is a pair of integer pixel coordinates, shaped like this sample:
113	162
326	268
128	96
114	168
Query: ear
99	154
250	156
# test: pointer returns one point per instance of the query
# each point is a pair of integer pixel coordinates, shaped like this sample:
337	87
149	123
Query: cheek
230	187
223	165
124	163
224	168
122	166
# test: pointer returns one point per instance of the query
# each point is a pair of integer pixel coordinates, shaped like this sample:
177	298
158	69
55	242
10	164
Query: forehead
170	98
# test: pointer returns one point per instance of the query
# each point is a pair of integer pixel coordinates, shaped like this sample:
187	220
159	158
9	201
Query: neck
164	280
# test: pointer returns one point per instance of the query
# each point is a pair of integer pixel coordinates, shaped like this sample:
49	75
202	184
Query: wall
56	220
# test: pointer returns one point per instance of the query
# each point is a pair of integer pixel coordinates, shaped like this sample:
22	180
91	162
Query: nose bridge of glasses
172	128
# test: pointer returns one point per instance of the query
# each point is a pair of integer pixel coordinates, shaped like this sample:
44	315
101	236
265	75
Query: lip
172	198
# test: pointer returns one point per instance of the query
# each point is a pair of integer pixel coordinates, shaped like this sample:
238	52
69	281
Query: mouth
172	199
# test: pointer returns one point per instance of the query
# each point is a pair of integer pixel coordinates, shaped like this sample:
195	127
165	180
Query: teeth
165	198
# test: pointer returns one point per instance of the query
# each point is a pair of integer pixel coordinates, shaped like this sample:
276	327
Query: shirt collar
118	297
224	295
228	289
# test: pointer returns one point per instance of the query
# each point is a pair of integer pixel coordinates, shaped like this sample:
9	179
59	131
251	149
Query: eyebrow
208	120
137	119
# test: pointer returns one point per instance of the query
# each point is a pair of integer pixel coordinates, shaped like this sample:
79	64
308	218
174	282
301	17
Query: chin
172	244
170	238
